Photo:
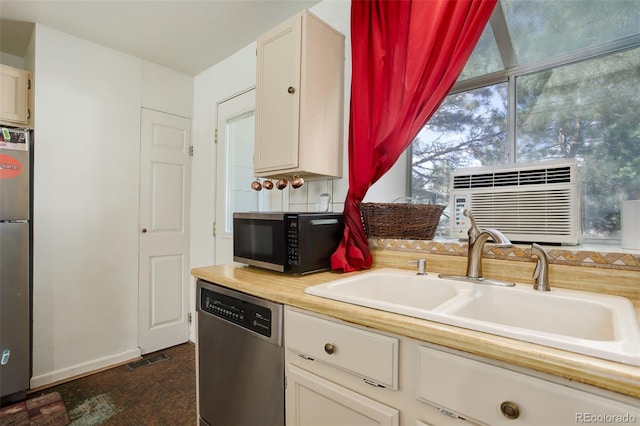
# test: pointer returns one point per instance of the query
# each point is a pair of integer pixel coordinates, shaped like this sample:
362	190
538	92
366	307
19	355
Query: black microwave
296	243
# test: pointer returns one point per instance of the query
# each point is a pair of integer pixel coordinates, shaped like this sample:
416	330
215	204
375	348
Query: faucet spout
477	239
474	230
476	247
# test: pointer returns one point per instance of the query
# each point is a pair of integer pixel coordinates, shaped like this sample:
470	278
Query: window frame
512	72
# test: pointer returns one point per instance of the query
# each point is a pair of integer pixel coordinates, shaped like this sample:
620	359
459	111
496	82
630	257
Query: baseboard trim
74	372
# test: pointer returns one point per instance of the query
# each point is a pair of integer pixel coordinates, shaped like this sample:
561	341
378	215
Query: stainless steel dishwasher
240	357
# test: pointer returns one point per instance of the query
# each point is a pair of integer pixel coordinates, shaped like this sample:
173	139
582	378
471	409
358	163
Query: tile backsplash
562	255
304	199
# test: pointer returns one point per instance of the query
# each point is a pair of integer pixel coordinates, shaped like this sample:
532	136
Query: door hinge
190	319
29	84
191	151
213	230
215	136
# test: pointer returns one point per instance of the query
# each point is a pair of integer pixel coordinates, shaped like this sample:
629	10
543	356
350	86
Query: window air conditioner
531	202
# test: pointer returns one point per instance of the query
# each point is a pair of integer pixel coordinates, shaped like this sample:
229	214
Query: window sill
589	255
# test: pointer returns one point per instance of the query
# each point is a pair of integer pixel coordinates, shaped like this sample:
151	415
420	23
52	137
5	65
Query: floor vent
147	360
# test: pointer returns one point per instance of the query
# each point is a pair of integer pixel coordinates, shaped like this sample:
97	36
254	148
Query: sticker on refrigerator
15	139
10	167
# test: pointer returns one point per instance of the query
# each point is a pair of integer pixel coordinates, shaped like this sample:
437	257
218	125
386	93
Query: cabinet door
312	400
278	97
13	95
497	396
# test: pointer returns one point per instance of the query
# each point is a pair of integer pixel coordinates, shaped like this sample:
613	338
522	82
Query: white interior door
164	231
234	165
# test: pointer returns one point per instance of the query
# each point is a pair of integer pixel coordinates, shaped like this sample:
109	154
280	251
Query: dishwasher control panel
245	314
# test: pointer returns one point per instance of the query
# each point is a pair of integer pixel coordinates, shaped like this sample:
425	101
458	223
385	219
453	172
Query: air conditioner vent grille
546	212
522	177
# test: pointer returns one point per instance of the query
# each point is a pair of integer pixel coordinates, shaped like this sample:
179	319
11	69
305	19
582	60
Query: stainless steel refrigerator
15	239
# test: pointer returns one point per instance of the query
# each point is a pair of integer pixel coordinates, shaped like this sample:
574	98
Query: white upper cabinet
15	97
300	100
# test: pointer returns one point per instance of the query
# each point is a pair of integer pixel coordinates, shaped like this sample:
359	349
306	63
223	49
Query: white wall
228	78
86	179
30	56
390	186
166	90
12	60
86	206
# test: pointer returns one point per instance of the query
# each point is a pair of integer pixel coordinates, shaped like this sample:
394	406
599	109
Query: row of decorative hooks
296	182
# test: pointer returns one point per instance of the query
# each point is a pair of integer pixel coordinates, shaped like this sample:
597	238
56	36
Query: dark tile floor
158	390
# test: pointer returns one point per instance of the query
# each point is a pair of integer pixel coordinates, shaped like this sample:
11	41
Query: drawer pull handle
329	348
510	410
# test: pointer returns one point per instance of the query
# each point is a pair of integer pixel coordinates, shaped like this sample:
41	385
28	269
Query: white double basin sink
594	324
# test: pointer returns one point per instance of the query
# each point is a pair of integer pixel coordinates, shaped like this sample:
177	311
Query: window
544	84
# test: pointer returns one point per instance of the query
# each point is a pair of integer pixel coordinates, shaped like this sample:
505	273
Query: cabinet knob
329	348
510	410
144	230
291	90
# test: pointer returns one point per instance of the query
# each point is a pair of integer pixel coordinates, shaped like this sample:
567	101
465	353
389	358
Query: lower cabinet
312	400
340	374
488	394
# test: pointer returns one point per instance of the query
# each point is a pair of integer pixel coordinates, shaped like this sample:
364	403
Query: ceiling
186	35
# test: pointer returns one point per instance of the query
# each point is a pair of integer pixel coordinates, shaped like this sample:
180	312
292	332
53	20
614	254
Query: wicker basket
401	221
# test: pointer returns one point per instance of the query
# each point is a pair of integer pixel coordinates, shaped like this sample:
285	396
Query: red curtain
406	56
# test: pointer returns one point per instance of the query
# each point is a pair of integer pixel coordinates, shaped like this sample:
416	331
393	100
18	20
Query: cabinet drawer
370	355
477	391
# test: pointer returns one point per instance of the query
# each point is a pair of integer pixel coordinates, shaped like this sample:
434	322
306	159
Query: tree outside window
582	104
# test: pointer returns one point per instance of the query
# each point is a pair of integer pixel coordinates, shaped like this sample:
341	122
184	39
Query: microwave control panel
292	240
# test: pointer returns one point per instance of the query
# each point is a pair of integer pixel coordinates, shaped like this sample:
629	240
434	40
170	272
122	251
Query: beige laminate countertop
289	290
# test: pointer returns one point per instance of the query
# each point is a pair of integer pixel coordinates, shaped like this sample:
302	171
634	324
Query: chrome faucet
477	239
541	273
474	256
